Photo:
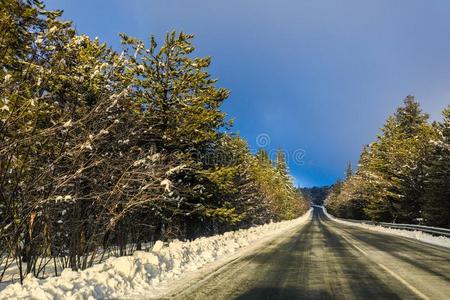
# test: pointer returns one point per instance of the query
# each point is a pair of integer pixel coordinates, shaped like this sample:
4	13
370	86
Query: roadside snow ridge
143	271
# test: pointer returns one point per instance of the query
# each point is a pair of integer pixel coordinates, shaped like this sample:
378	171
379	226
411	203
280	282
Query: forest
315	194
104	150
403	176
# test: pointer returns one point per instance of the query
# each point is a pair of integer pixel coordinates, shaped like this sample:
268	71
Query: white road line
392	273
419	293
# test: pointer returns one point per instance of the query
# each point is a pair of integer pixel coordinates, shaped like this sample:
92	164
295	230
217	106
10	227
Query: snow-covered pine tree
436	198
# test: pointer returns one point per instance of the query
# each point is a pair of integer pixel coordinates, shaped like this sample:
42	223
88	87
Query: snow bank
143	271
416	234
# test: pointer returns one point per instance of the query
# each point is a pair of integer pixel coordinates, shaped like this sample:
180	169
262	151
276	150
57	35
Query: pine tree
396	165
410	117
389	181
348	171
263	156
436	211
181	99
100	150
331	202
281	164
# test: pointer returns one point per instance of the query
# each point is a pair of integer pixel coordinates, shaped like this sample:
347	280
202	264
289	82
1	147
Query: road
323	259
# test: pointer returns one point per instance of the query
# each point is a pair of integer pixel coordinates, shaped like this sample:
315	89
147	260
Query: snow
87	145
7	78
167	184
144	271
68	123
175	169
416	234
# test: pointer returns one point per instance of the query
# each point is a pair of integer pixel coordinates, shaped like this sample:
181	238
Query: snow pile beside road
416	234
143	271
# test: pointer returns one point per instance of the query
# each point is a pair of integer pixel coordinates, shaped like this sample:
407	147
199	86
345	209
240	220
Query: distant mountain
315	194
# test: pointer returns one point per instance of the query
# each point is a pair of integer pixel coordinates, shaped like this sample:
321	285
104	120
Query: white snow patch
175	170
143	272
416	234
167	184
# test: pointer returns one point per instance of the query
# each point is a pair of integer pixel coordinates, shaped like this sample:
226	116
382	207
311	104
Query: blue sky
320	76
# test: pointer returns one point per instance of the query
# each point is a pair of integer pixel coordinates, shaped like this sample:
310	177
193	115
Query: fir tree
348	171
389	182
410	117
436	211
263	156
101	150
281	164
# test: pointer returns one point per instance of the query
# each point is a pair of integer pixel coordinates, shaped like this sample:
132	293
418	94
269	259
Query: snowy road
323	259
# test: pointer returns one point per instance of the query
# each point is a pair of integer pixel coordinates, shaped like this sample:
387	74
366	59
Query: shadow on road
262	293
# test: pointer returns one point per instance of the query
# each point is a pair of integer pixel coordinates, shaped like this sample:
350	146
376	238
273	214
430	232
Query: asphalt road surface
323	259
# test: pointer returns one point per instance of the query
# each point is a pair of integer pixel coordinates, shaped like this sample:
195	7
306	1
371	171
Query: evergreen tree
389	182
181	99
281	164
410	117
348	171
396	164
436	199
102	151
263	156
